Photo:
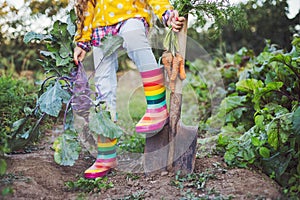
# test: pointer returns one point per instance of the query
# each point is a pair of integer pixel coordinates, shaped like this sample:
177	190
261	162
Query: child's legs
137	45
106	78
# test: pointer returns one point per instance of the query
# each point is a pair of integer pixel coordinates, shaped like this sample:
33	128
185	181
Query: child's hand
79	54
175	21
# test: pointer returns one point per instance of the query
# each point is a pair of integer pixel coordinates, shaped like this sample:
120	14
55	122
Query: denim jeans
139	51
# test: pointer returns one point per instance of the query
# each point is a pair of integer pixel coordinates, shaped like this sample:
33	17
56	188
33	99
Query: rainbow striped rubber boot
106	158
156	115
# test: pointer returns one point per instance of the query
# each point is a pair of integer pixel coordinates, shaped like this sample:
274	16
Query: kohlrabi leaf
66	148
47	54
101	124
71	26
62	61
51	101
35	36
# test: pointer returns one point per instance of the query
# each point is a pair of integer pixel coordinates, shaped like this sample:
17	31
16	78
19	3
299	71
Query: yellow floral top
110	12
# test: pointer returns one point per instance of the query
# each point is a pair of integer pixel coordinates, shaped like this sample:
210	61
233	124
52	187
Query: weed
132	176
139	195
6	191
194	180
190	195
197	181
90	185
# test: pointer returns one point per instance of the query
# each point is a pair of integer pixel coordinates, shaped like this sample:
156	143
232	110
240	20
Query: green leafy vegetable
265	104
101	124
66	148
51	101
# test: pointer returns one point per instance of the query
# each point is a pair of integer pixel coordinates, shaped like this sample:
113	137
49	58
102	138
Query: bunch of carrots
172	60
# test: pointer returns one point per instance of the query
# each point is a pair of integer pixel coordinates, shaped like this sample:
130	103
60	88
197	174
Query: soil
35	175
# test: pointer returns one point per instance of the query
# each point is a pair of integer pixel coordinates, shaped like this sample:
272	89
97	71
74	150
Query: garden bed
35	175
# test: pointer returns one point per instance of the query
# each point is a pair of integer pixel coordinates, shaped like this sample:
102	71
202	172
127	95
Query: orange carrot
182	74
175	70
174	66
167	61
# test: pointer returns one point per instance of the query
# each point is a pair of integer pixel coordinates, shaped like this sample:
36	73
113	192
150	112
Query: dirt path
36	176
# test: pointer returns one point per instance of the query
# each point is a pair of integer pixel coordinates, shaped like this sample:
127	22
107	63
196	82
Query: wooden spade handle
176	99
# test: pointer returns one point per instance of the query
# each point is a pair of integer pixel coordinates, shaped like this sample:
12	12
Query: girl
129	19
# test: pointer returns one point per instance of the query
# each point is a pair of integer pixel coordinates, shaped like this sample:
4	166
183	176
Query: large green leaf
296	121
66	148
51	101
47	54
282	58
271	86
263	58
62	61
262	91
264	152
35	36
65	51
249	85
231	103
229	129
56	31
70	21
101	124
259	121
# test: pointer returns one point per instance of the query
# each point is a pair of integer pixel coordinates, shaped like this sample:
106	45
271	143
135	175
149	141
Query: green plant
67	90
189	195
6	191
139	195
191	184
194	180
17	98
89	185
264	108
132	176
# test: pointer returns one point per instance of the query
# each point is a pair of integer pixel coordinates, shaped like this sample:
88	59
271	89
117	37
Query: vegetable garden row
256	124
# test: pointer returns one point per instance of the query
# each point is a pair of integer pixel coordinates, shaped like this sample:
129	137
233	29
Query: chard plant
66	91
261	115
